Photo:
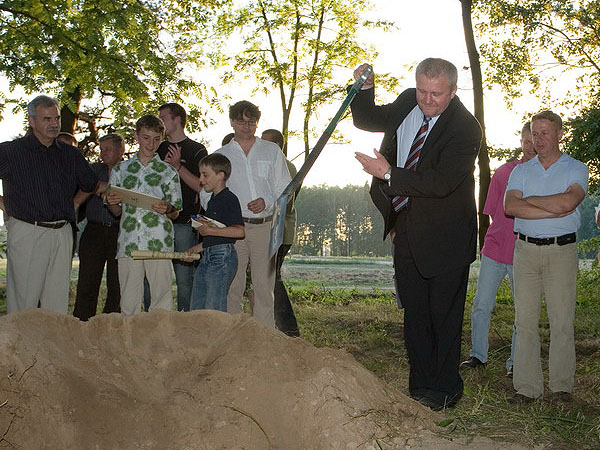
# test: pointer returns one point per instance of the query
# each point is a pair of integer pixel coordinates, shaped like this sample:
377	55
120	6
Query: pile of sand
199	380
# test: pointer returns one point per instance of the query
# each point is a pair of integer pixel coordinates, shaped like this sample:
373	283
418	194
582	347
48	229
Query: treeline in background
342	221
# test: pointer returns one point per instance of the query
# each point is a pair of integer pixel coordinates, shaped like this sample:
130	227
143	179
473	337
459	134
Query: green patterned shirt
142	229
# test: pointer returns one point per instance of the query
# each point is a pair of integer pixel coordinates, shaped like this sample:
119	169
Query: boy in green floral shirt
142	229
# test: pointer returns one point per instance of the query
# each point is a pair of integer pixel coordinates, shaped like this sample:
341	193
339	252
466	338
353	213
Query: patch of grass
370	327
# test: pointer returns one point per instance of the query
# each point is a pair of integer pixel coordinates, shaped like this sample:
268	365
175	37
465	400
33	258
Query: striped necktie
401	201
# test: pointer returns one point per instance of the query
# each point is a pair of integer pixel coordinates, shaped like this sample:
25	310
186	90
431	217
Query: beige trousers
550	270
38	266
254	249
131	280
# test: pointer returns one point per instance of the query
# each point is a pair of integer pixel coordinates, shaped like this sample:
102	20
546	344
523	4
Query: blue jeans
213	277
185	237
491	274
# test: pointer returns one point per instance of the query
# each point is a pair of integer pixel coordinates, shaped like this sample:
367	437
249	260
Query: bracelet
179	168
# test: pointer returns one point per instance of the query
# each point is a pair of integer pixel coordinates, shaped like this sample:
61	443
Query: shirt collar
35	144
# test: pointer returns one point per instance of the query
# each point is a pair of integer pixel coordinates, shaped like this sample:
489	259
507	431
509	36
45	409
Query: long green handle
282	201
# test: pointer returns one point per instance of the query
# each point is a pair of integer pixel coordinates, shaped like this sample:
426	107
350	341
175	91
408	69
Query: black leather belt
104	224
560	240
257	221
54	225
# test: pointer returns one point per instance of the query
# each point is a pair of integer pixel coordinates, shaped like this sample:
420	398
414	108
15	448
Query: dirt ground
194	381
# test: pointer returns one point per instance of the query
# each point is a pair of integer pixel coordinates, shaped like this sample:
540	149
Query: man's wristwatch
388	175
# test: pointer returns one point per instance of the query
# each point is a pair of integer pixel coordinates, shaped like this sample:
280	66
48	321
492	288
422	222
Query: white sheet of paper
134	198
199	220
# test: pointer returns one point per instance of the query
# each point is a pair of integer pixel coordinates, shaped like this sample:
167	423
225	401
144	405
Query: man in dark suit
423	186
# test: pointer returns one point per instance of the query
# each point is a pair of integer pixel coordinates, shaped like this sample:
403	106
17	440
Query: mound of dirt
197	380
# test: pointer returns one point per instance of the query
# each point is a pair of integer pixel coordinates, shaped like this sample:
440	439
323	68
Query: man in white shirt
258	177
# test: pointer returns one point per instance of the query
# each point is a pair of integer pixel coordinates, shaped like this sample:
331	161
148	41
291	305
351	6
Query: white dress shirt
406	132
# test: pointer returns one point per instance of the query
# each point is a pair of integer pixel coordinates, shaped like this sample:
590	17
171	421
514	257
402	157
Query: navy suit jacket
441	212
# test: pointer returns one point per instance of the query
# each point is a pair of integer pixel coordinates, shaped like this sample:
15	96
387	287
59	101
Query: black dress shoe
471	363
520	399
561	397
431	403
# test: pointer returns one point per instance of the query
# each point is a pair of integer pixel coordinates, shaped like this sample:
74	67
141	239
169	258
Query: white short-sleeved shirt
141	229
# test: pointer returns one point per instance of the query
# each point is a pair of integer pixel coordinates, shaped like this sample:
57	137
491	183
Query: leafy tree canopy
523	40
296	46
122	57
582	141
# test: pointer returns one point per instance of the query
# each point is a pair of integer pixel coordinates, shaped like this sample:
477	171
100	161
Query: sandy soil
200	380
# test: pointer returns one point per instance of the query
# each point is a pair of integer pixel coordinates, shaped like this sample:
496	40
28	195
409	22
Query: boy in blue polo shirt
218	265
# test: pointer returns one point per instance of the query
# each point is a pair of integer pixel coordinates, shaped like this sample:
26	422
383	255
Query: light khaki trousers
131	280
550	270
254	249
38	266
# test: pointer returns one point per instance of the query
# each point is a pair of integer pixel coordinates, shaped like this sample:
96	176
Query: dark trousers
433	317
97	247
285	319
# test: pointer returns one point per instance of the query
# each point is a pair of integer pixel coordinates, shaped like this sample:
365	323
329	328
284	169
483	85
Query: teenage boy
218	265
174	116
141	229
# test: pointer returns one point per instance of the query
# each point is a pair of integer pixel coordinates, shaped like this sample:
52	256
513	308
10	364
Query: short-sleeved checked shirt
142	229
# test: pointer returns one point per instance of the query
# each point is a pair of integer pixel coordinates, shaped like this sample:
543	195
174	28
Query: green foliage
504	154
296	47
582	141
588	283
588	234
522	40
122	57
2	243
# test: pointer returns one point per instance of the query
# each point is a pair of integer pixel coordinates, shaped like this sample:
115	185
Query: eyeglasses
250	123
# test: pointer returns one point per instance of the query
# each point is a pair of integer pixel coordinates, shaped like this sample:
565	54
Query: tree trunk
483	160
69	111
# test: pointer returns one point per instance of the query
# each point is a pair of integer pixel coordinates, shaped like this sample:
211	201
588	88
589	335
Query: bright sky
425	28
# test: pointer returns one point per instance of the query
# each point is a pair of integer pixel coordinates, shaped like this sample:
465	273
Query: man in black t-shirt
174	117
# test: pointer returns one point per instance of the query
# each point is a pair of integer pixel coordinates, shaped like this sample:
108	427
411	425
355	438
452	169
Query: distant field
351	273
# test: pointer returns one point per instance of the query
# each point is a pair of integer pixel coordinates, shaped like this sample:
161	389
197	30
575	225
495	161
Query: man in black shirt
174	117
40	175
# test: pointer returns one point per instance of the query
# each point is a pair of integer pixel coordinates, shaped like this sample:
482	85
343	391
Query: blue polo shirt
532	179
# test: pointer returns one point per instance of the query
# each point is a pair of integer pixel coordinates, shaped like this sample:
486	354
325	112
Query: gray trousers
38	266
254	249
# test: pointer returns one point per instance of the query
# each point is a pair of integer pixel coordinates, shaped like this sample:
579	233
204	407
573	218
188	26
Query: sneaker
509	372
471	363
561	397
519	399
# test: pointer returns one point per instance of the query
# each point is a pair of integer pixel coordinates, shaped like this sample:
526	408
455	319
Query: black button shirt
39	182
191	154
